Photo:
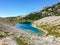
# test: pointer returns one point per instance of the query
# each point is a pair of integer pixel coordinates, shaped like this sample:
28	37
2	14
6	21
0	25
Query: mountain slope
53	10
50	24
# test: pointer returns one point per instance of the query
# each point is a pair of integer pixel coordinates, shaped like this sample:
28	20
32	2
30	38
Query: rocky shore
30	39
44	32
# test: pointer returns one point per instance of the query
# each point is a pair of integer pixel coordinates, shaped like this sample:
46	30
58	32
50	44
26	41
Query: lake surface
29	28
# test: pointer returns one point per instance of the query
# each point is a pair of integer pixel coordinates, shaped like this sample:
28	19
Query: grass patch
2	36
20	42
52	30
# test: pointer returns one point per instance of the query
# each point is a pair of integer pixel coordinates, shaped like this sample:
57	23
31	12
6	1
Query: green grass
20	42
2	36
52	30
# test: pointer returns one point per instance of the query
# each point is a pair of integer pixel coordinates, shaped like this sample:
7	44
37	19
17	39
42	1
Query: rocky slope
8	41
8	34
53	10
50	24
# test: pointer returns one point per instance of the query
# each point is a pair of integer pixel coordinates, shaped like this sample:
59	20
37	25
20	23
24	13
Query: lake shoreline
29	28
44	32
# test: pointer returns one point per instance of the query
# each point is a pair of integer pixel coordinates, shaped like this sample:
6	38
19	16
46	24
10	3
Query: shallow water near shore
29	28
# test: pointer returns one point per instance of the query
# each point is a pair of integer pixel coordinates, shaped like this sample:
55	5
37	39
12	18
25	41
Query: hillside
10	35
53	10
50	24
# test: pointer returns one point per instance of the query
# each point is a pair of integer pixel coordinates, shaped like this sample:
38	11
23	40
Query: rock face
50	24
7	41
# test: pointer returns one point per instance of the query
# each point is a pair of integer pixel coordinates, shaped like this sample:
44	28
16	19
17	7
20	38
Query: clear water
29	28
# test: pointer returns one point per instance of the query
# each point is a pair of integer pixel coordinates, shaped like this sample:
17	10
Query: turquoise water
29	28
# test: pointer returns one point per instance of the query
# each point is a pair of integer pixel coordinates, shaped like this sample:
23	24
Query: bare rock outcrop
50	24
